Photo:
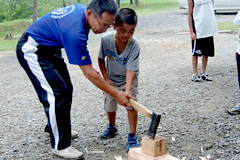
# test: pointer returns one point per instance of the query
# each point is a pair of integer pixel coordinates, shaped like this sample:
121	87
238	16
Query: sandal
234	111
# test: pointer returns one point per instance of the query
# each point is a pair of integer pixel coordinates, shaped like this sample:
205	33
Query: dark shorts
203	46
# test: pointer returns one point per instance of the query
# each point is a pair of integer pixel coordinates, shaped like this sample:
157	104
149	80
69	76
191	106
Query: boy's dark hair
126	15
100	6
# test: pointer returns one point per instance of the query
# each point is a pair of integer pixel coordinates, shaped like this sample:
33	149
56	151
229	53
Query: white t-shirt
204	19
237	21
118	64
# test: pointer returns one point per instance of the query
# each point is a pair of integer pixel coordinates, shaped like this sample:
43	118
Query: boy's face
124	31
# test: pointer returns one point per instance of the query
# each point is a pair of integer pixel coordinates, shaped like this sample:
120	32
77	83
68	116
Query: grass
150	7
145	8
228	26
16	28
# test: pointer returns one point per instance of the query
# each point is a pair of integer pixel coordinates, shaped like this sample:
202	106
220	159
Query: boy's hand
193	36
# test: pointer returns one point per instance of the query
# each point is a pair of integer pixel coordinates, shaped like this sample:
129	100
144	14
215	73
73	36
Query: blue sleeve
75	43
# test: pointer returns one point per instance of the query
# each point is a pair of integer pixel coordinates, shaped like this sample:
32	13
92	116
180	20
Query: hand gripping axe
155	118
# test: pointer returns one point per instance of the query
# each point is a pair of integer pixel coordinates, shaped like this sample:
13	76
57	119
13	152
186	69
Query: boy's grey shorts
110	104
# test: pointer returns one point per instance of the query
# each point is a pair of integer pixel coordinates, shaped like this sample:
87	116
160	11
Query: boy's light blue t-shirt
117	65
237	21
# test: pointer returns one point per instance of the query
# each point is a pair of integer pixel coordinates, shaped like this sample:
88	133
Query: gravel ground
194	118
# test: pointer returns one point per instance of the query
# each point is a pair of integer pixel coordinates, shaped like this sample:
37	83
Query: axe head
154	125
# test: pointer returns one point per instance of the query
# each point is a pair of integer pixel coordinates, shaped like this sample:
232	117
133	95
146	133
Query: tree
118	3
35	6
137	2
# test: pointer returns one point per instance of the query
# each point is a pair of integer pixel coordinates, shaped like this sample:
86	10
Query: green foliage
23	9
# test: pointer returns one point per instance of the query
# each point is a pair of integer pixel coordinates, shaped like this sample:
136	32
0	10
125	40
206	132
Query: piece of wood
154	147
141	109
136	154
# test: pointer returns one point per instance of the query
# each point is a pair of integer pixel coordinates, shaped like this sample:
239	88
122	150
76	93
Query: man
39	53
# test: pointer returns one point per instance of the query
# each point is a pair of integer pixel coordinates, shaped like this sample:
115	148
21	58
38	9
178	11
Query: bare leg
112	117
194	64
204	63
132	119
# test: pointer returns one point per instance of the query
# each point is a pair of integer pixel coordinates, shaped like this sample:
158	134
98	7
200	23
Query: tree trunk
118	3
64	3
131	1
35	6
137	2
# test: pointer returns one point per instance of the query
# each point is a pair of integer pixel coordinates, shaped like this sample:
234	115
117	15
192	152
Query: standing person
39	53
121	50
236	110
203	26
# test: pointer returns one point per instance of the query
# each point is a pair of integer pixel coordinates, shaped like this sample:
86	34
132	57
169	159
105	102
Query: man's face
101	24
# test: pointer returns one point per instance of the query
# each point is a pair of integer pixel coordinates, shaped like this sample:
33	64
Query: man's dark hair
126	15
100	6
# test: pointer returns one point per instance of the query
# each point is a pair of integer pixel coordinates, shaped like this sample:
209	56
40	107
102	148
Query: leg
132	119
54	91
194	64
238	67
110	106
112	118
204	63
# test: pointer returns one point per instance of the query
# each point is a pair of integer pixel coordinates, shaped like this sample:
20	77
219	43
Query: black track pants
49	75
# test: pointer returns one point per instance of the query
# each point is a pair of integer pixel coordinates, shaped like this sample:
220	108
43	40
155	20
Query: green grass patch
228	26
150	7
6	45
13	28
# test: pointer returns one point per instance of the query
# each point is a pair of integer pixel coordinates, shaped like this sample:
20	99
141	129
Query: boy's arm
129	80
190	20
101	63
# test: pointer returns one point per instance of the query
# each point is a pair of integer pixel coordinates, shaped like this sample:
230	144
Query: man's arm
190	20
93	75
101	63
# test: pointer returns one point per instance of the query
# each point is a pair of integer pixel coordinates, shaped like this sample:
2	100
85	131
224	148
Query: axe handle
140	108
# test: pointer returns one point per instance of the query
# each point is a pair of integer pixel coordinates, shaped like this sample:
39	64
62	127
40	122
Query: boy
121	50
203	27
236	110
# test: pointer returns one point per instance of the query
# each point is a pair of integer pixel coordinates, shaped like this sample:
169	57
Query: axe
155	117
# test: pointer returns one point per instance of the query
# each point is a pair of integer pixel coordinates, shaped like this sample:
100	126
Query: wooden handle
140	108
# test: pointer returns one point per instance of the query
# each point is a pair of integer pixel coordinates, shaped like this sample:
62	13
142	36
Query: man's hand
122	99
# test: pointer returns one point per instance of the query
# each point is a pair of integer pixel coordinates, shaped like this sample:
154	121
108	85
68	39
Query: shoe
110	132
196	78
206	77
74	134
132	141
69	152
234	111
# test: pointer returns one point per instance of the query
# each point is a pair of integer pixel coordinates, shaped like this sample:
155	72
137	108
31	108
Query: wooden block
154	147
136	154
